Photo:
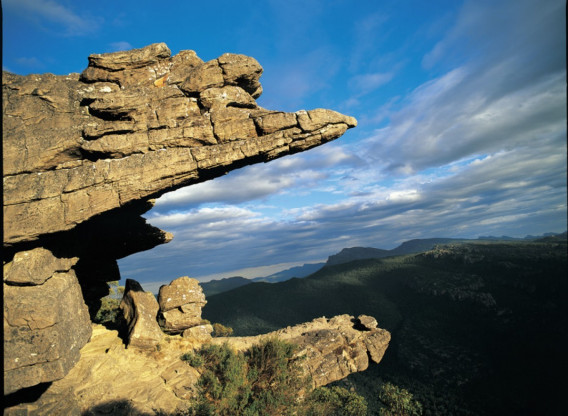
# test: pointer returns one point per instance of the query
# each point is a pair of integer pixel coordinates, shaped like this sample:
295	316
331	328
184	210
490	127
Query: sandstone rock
242	71
91	147
180	304
34	267
333	348
140	311
114	380
200	333
179	292
85	154
212	98
176	320
46	321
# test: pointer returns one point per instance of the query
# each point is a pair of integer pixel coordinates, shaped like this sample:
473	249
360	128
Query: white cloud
51	11
365	83
120	46
458	115
478	150
32	62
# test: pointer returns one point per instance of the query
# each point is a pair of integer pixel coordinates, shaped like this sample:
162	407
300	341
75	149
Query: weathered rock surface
111	379
180	305
84	156
132	126
333	348
46	321
140	310
200	333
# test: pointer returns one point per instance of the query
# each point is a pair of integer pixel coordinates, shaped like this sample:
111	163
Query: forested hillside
477	328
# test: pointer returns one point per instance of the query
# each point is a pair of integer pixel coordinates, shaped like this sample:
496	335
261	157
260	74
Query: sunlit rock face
84	157
331	349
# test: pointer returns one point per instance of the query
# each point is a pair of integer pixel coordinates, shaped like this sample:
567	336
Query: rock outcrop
180	305
333	348
112	379
140	310
84	157
46	321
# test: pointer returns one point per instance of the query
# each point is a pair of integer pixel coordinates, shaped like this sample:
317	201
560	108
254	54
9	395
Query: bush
266	380
398	402
335	401
109	314
223	386
194	360
221	330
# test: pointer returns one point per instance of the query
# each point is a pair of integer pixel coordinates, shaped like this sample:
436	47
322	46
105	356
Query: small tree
398	402
109	313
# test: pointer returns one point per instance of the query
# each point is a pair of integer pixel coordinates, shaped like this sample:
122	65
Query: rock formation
84	157
140	310
46	321
112	379
333	348
180	305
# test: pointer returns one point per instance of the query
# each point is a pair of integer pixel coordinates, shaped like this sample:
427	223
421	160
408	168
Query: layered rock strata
332	348
112	379
46	321
180	303
84	157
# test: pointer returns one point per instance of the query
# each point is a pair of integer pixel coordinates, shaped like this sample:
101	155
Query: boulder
199	333
124	131
180	304
46	321
140	311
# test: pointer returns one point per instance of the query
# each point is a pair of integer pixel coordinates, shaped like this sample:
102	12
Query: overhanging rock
85	155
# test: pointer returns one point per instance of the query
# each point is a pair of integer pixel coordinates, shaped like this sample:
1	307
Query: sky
461	109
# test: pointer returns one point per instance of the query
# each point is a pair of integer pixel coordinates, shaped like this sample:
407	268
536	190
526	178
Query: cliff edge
86	154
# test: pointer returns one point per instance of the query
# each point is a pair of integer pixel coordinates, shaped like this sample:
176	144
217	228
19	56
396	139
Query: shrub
274	377
221	330
266	380
334	401
223	386
194	360
109	314
398	402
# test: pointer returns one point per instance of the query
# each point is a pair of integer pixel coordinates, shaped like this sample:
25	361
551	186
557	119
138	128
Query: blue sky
461	108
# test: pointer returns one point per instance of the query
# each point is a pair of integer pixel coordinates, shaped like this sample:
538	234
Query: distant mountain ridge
408	247
214	287
419	245
347	255
298	271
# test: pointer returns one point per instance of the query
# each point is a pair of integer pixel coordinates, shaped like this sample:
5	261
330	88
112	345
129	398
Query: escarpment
86	154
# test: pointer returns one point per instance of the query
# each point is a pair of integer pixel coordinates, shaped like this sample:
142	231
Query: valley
478	327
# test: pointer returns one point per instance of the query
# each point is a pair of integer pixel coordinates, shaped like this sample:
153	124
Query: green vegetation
477	328
398	402
109	314
222	330
194	360
335	401
266	380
